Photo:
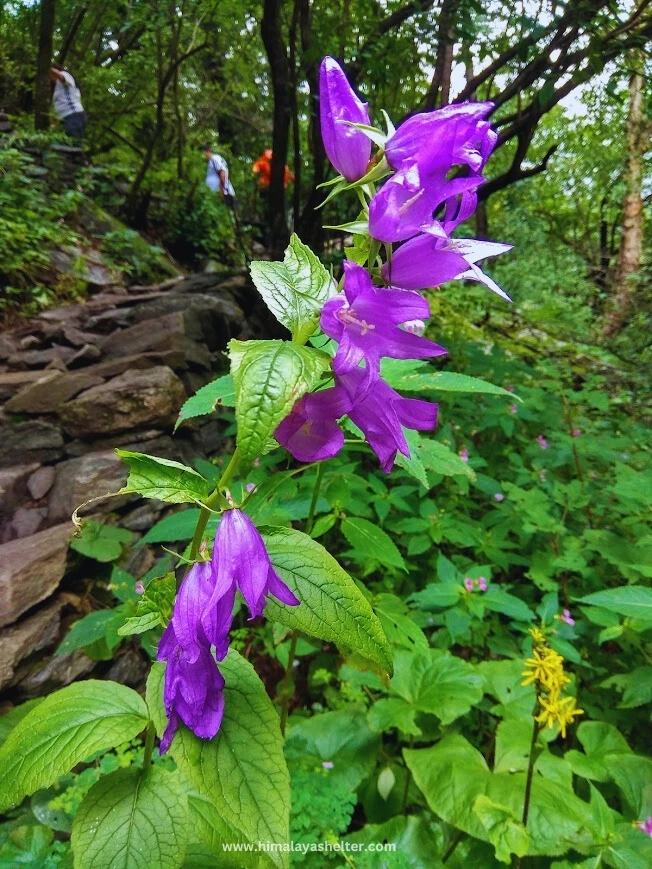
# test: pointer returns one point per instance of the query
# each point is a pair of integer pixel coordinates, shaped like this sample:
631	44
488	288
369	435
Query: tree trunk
631	243
275	48
43	92
440	87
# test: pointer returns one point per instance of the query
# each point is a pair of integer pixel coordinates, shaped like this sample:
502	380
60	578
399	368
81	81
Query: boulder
31	568
136	398
50	392
25	521
40	482
41	358
28	636
41	678
33	441
78	480
13	486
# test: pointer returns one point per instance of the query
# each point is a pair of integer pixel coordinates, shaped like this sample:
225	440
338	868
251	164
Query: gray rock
175	359
143	517
12	381
13	486
59	671
31	441
50	392
78	480
173	331
25	521
136	398
31	568
40	358
40	482
28	636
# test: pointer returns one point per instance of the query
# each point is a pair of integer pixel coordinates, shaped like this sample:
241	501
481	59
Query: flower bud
348	149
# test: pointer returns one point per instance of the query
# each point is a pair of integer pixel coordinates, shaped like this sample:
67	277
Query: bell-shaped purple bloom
432	259
405	205
365	321
240	560
380	412
456	134
310	432
348	149
193	683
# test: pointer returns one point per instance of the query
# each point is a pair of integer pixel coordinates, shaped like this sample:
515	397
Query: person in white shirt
217	176
67	104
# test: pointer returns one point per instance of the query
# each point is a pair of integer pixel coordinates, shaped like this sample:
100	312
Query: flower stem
149	745
284	687
453	845
530	772
212	499
315	497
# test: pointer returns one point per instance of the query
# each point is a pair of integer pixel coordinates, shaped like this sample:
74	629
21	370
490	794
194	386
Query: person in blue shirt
217	176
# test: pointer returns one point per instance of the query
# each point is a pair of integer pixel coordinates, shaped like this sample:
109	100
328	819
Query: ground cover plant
456	631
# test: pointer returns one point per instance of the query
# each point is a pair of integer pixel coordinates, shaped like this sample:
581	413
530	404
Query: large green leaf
507	604
408	376
437	682
634	601
64	729
162	479
132	819
211	830
332	607
270	376
219	393
242	771
371	542
294	290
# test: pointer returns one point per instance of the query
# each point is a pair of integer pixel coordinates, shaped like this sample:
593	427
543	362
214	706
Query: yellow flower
547	668
538	636
556	711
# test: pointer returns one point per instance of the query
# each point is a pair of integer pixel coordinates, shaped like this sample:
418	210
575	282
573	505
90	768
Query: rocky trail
76	382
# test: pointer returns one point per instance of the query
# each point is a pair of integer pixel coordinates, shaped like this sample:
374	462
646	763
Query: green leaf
64	729
100	625
634	601
132	819
397	624
332	607
242	770
405	376
172	529
99	541
435	596
371	543
505	832
438	683
219	393
294	290
270	376
154	607
211	830
8	720
162	479
507	604
432	456
390	712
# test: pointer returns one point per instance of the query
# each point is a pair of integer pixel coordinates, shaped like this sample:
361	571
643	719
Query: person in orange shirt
262	168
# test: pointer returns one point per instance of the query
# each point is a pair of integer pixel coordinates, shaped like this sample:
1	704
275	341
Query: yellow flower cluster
545	669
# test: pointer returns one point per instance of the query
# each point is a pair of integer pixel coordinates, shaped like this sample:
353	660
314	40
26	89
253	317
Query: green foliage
162	479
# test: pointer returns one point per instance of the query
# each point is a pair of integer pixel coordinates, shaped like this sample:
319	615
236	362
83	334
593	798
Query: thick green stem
149	745
211	501
530	772
453	845
284	687
315	497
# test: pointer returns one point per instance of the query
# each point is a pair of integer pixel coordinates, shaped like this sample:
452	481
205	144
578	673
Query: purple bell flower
240	561
348	149
432	258
365	321
310	432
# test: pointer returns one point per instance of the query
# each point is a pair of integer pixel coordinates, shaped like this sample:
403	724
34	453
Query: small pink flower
250	487
256	463
543	443
513	409
464	454
327	764
482	583
139	588
567	617
468	583
499	497
576	432
646	826
416	327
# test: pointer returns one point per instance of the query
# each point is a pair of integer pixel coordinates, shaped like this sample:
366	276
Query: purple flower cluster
437	160
197	636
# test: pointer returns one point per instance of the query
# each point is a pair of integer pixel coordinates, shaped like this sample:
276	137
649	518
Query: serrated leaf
219	393
162	479
64	729
242	770
154	607
371	542
132	819
270	376
294	290
332	607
